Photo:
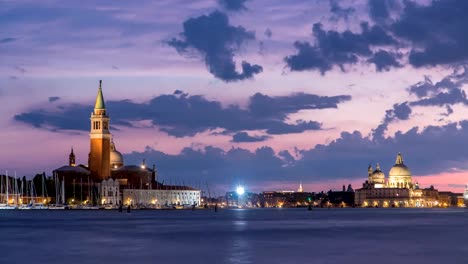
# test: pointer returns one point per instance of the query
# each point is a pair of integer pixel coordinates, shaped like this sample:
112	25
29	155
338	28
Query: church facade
398	190
106	179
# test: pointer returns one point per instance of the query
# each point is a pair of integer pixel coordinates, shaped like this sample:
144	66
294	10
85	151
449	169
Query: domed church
106	171
398	190
399	175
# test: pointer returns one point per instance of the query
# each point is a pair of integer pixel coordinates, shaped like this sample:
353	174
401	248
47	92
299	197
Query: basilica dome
399	175
116	158
399	169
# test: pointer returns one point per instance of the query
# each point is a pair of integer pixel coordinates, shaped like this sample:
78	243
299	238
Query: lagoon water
416	236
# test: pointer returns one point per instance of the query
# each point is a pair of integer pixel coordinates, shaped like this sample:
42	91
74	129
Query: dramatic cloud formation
335	48
346	157
447	91
437	32
191	114
233	5
216	40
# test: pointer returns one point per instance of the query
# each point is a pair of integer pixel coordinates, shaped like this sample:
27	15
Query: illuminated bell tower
100	137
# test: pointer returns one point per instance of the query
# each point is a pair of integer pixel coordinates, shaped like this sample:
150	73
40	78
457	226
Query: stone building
106	179
398	190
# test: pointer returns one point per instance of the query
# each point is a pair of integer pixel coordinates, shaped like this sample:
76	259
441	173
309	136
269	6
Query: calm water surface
416	236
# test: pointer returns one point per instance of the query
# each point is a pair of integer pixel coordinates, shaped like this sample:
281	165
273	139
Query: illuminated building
108	180
398	190
465	195
100	138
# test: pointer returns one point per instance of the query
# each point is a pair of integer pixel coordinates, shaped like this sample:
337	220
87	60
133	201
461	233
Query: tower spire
100	105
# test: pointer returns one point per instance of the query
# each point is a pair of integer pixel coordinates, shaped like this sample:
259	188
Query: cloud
217	41
245	137
345	157
233	5
447	91
399	112
53	99
449	111
339	12
436	31
335	48
381	10
385	60
7	40
191	114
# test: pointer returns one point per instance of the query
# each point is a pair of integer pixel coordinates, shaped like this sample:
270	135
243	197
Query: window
106	125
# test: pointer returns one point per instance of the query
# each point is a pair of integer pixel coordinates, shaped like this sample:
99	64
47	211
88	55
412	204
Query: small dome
377	176
116	157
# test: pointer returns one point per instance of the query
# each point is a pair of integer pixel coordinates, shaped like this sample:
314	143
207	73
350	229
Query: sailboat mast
42	191
6	187
63	190
16	191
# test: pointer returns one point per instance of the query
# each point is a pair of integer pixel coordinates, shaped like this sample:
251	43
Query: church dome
399	169
399	175
116	158
377	176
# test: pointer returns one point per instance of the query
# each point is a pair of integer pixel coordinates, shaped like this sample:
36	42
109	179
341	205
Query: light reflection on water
239	250
385	236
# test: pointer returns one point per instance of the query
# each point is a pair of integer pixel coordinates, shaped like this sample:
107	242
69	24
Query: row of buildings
399	190
107	180
396	190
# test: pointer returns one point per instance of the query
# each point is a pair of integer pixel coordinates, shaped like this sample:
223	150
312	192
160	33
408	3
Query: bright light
240	190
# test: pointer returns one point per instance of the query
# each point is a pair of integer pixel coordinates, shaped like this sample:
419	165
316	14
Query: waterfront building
342	198
106	179
163	197
110	192
286	199
465	196
398	190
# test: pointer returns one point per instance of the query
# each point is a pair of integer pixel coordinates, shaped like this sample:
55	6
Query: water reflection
239	251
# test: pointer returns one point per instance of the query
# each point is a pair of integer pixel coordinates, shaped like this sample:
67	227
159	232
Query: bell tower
100	137
71	159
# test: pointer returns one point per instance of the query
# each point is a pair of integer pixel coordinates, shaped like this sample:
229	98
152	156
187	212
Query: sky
263	93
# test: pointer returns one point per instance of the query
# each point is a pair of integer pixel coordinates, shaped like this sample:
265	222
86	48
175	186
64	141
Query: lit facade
100	138
107	180
162	197
398	190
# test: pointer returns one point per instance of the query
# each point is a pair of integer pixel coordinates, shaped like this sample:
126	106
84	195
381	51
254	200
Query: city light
240	190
